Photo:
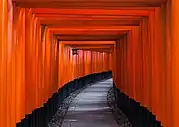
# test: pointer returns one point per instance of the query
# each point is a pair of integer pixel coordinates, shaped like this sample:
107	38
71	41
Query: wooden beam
67	22
89	42
95	12
92	4
89	38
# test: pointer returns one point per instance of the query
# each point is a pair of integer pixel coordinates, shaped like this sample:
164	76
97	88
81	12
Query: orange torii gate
144	57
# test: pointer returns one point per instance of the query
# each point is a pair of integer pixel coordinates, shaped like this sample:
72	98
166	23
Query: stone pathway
92	106
63	108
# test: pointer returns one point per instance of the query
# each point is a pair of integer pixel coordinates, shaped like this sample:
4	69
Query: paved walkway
90	108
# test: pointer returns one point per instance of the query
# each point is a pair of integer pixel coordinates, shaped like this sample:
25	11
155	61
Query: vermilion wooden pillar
141	64
10	70
169	67
173	40
29	64
3	62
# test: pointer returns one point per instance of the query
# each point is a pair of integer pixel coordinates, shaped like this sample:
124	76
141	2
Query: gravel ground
120	117
57	120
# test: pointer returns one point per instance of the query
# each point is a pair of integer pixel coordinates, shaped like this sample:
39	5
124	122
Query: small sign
75	51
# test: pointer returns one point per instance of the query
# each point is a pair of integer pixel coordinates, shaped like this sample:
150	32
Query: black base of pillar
42	116
138	115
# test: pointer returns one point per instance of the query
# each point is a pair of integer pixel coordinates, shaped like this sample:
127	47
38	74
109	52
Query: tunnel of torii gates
137	39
